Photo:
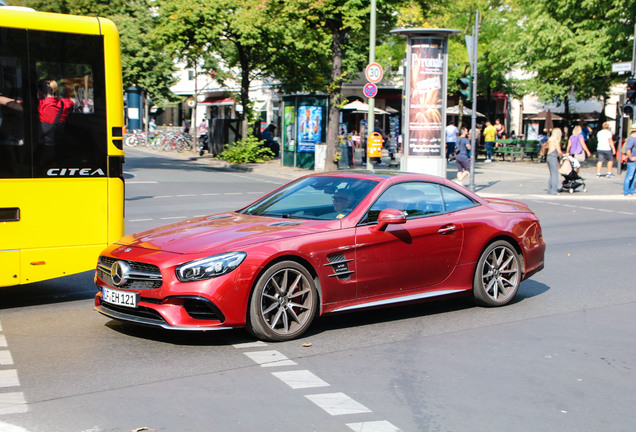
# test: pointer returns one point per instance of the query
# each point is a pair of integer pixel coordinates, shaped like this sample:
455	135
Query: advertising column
425	100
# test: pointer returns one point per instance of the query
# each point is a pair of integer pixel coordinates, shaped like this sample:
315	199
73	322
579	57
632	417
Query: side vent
340	266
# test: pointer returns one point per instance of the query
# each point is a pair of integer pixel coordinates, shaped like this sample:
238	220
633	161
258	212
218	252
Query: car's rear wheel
498	274
283	302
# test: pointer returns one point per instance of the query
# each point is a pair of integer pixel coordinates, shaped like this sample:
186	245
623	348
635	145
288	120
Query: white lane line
375	426
140	220
9	378
3	341
211	194
338	404
12	403
300	379
257	344
270	358
186	195
5	358
233	193
164	196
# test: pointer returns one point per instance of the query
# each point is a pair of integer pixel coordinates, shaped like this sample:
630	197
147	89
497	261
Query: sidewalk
527	179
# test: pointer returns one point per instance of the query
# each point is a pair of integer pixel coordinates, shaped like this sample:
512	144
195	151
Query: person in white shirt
451	140
605	150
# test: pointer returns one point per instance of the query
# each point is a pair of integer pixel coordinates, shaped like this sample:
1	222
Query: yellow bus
61	157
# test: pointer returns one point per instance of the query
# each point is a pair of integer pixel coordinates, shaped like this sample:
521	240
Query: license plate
121	298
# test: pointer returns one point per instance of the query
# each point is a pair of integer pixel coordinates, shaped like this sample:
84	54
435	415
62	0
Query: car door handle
446	229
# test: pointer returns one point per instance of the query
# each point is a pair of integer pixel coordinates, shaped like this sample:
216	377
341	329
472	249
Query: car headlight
210	267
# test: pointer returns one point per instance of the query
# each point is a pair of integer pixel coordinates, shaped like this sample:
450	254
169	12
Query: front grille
142	276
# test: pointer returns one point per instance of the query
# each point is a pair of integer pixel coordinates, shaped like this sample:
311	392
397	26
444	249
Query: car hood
223	232
508	206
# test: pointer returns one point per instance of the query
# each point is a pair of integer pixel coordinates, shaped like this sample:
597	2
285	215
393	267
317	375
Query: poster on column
309	131
425	110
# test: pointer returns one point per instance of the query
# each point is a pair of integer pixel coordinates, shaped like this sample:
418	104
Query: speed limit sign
373	72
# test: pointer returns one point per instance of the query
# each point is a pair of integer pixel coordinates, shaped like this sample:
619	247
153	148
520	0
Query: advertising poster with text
309	132
425	110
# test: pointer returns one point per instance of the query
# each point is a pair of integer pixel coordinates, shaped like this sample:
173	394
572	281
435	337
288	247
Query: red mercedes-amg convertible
323	243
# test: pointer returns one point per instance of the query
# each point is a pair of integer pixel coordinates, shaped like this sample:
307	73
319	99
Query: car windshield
322	198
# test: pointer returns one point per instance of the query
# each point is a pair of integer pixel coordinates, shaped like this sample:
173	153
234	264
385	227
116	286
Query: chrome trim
399	300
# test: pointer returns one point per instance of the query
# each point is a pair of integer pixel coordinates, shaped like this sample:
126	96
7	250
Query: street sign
374	73
622	67
374	145
370	90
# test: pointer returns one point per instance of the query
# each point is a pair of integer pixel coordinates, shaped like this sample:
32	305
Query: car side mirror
390	217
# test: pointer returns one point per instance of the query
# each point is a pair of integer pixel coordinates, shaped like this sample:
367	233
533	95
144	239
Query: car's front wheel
498	274
283	302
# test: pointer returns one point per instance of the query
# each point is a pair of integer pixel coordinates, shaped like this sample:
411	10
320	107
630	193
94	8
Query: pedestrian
462	159
629	183
451	139
605	150
152	127
553	154
576	145
501	130
489	140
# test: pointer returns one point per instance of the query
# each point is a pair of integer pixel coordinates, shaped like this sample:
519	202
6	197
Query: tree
568	46
227	37
142	61
334	36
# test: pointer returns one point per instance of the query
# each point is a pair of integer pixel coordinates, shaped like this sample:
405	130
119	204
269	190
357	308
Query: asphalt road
561	357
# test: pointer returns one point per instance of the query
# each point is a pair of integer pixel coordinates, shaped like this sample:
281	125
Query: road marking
5	358
377	426
300	379
3	341
9	378
12	403
270	358
257	344
338	404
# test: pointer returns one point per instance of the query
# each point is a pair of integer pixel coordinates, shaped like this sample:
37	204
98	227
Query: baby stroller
571	178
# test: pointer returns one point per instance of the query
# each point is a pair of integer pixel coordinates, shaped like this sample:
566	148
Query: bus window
71	132
15	151
65	93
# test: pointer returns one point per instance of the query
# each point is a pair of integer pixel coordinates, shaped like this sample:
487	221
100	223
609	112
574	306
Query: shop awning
212	100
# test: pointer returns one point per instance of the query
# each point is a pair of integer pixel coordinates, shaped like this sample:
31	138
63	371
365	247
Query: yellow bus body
65	222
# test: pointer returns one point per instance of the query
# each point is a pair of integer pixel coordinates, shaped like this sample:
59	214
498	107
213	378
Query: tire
497	275
283	303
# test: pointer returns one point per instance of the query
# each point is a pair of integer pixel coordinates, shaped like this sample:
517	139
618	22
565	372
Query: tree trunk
335	95
245	90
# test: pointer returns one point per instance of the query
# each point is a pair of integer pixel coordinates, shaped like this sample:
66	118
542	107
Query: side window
15	148
416	199
67	72
455	201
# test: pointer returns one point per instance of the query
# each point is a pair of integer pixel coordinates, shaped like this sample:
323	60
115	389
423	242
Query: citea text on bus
72	172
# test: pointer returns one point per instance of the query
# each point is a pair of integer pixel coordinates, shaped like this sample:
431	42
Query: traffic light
630	97
465	88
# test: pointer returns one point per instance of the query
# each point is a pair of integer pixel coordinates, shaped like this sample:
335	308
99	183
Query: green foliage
568	47
144	62
247	151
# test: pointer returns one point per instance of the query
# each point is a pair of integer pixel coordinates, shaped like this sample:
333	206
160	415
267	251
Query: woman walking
576	145
554	153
